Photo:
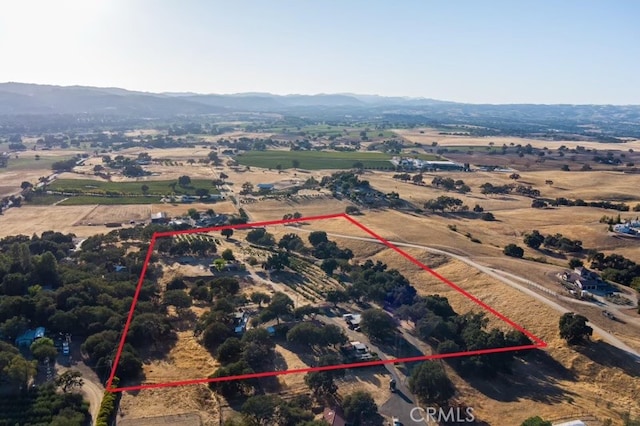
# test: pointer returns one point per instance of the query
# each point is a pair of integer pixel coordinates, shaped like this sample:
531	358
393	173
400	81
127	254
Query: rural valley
145	264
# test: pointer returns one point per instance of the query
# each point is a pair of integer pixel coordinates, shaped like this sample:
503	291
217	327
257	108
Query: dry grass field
561	381
428	135
117	214
37	219
591	381
274	209
187	359
169	401
27	168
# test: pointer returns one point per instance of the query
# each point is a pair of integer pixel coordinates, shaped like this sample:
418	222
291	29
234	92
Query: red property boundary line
539	343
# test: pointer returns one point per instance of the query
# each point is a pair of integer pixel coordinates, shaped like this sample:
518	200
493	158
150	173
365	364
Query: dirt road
499	275
92	389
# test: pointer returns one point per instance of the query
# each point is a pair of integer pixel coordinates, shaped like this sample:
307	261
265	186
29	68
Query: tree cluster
449	184
617	268
270	410
439	325
559	242
316	335
260	237
607	205
252	353
444	202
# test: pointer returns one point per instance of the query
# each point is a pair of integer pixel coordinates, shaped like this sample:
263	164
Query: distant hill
26	99
19	98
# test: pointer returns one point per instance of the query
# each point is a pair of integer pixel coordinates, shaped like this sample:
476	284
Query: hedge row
108	406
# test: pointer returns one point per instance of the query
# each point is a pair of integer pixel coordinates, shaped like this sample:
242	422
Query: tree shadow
159	350
607	355
307	355
279	363
399	347
535	377
554	254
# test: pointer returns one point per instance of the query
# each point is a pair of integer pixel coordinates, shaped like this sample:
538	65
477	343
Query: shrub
489	217
513	250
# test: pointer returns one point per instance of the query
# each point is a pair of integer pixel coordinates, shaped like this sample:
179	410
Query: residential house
334	416
30	336
585	280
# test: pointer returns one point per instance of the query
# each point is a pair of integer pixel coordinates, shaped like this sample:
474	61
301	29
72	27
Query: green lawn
27	161
82	200
156	187
45	199
315	160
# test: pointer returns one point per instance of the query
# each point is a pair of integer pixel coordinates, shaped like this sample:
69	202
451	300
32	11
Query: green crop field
156	187
45	199
28	162
82	200
315	160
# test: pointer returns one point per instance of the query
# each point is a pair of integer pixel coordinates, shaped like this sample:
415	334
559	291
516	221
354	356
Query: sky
517	51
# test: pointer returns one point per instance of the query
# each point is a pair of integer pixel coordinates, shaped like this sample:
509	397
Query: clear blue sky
560	51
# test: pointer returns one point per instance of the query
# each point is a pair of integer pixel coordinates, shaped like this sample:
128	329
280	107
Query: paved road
499	275
402	401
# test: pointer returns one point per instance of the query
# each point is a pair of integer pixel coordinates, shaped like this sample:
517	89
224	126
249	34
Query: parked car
395	421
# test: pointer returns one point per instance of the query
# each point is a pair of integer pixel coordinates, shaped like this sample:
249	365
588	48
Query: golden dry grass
292	362
168	401
374	380
29	219
117	214
274	209
431	135
186	360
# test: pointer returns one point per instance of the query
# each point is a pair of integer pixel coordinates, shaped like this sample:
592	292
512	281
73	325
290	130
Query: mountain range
35	99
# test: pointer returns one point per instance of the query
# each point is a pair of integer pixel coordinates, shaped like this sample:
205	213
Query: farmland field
82	200
156	187
28	162
316	160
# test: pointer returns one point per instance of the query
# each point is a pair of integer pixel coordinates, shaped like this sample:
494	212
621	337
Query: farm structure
160	217
411	163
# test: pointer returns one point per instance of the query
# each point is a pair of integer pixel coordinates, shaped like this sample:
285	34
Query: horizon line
351	94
